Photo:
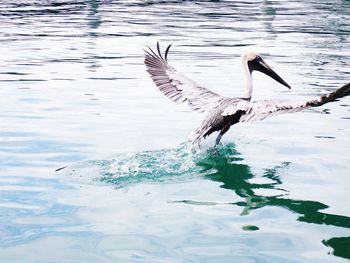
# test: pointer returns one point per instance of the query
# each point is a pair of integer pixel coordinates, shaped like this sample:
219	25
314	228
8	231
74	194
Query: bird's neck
248	81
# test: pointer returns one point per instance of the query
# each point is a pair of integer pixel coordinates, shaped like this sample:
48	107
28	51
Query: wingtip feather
158	49
166	52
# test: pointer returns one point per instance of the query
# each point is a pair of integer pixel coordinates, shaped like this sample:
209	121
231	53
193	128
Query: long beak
263	67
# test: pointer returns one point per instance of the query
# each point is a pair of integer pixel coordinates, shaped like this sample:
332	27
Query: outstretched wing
175	85
260	110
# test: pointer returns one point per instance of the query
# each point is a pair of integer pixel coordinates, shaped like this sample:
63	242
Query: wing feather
260	110
175	85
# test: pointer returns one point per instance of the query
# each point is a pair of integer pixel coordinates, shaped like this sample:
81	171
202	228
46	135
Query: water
74	92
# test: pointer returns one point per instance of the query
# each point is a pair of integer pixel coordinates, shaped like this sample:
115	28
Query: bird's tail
333	96
199	133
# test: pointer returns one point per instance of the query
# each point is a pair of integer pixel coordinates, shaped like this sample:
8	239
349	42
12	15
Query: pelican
222	112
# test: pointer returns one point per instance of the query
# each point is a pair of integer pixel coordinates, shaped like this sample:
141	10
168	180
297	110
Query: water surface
74	92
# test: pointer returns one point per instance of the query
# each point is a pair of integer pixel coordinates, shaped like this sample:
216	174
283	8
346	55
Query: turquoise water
75	94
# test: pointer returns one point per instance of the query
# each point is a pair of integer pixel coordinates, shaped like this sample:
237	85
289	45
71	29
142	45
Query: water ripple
74	87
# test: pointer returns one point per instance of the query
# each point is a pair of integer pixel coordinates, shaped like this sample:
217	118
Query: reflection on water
340	245
224	165
235	176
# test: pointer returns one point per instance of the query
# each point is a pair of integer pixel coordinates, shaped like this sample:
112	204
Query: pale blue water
74	92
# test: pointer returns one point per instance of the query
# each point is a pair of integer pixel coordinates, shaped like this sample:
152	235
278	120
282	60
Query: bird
223	112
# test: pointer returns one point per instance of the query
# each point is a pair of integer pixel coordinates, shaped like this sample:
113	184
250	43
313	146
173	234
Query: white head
254	62
248	56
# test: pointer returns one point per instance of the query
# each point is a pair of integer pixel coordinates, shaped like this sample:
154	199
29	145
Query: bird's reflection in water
225	165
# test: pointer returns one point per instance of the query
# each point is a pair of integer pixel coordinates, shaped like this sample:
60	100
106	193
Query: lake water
74	92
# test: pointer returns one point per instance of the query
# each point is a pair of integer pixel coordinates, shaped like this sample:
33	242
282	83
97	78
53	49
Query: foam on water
164	165
130	168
